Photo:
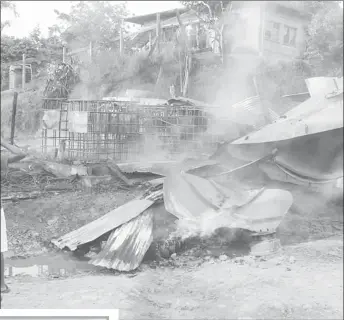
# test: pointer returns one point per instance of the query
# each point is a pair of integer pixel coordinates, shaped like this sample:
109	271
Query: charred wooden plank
114	169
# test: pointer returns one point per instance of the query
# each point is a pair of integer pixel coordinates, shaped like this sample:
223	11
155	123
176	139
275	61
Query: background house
269	31
272	29
284	28
200	37
253	32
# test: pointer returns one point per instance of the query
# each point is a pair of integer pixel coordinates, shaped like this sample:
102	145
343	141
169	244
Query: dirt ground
304	281
31	224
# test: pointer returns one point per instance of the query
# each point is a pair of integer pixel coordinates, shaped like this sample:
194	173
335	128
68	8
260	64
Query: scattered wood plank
114	169
90	181
153	47
64	170
18	153
21	196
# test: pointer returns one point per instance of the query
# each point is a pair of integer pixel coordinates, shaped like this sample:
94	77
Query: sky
33	13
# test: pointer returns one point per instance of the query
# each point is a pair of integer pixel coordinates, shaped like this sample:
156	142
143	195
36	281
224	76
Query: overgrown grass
29	109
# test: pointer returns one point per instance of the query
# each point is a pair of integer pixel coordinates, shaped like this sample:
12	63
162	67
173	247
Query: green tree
324	50
48	49
207	10
98	22
7	5
13	48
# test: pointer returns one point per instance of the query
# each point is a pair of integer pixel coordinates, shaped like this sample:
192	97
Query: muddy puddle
49	266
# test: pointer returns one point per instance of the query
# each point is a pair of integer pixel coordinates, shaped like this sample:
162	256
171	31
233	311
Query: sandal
6	290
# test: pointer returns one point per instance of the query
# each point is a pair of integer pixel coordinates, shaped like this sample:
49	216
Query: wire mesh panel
98	130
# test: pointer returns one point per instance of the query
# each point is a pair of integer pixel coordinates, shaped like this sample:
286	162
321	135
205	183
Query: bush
112	74
29	110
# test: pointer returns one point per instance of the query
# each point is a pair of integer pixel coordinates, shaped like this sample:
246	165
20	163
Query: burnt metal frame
122	130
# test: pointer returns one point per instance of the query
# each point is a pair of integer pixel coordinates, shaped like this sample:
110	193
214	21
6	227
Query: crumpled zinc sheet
309	141
317	114
317	156
207	205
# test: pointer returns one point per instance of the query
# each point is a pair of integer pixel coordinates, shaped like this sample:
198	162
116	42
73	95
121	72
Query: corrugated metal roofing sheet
317	114
254	106
151	17
128	244
97	228
248	104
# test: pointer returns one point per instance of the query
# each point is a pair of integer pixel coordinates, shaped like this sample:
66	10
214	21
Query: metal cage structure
97	130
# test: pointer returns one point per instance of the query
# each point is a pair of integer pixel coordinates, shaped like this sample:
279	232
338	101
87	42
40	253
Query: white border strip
112	314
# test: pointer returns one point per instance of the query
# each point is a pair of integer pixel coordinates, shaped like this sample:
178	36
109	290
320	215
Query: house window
289	36
272	30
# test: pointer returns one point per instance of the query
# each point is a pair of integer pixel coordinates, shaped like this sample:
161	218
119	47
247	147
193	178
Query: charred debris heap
244	185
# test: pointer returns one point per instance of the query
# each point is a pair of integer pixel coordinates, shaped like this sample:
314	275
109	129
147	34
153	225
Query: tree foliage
95	21
208	10
33	46
324	49
7	5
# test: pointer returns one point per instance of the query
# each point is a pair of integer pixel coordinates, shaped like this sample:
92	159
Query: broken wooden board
116	171
91	181
128	244
64	170
97	228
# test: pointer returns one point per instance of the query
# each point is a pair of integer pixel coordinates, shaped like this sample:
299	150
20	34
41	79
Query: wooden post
90	51
182	31
158	79
150	41
24	72
14	112
197	35
261	29
158	31
188	62
64	54
121	38
180	72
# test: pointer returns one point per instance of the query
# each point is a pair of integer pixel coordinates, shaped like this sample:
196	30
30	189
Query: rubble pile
32	178
180	216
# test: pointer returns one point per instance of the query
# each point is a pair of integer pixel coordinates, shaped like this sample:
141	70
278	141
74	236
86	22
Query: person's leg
4	248
3	284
